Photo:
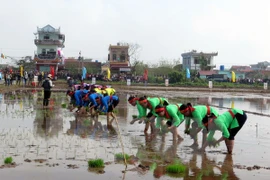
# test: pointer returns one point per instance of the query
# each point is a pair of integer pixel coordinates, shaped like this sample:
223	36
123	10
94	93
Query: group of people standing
161	116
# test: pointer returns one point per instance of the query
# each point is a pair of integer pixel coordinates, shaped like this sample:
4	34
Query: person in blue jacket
107	105
93	98
79	94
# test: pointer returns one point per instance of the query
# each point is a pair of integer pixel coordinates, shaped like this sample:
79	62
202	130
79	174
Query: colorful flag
145	75
108	73
84	71
3	56
188	73
52	71
233	76
21	71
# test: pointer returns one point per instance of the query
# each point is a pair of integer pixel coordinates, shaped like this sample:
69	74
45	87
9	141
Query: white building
48	41
192	60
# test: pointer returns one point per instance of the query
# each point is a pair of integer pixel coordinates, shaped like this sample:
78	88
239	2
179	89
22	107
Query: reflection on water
258	105
29	131
48	122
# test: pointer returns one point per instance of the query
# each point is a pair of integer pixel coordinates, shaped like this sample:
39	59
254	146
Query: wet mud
52	142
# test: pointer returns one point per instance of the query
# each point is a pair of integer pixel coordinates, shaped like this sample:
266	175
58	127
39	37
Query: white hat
49	76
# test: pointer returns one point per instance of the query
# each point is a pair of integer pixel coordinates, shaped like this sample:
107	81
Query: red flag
52	71
145	75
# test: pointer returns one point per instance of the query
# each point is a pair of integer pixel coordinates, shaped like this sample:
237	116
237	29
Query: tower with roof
49	42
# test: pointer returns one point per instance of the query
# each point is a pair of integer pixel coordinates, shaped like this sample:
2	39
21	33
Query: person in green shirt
173	116
196	113
134	101
143	104
229	123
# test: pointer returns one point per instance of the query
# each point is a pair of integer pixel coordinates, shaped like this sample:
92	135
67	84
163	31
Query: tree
133	53
27	62
176	76
203	63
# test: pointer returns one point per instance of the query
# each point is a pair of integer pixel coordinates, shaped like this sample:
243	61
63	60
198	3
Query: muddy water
55	143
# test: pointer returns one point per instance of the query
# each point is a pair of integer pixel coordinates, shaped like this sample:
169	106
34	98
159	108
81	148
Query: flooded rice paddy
54	143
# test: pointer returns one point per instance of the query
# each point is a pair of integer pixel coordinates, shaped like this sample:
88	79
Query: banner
3	56
233	76
108	73
21	71
52	71
187	73
84	71
145	75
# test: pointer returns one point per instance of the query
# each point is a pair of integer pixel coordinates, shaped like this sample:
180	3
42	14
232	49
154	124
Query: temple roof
48	29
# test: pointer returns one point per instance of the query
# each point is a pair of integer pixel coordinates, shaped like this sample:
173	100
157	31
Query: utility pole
79	62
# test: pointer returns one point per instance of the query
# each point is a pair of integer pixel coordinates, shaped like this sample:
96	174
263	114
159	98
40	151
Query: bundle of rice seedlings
8	160
134	116
176	168
213	143
96	163
120	156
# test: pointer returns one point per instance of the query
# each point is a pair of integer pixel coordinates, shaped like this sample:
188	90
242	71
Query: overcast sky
239	30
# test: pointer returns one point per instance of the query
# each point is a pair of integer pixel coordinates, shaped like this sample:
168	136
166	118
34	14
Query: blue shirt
107	101
92	98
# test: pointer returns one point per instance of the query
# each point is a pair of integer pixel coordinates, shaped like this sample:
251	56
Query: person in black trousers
47	85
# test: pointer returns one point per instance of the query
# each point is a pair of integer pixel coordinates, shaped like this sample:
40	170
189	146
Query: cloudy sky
239	30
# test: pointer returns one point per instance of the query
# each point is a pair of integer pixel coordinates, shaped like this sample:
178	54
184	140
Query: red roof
204	73
241	68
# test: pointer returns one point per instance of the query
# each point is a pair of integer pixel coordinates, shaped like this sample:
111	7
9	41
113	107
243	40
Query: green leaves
8	160
96	163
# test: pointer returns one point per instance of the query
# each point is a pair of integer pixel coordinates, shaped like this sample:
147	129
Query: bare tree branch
133	51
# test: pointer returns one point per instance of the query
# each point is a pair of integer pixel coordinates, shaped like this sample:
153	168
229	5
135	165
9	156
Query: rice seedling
96	163
134	116
64	105
8	160
213	143
176	168
120	156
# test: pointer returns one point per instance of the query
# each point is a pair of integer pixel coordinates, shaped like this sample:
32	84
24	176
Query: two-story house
118	58
194	60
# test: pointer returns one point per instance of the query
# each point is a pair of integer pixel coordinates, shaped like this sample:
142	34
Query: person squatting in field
143	104
196	113
229	123
174	118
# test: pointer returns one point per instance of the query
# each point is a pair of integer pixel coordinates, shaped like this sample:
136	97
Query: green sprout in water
120	157
176	168
134	116
96	163
8	160
102	113
213	143
64	105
